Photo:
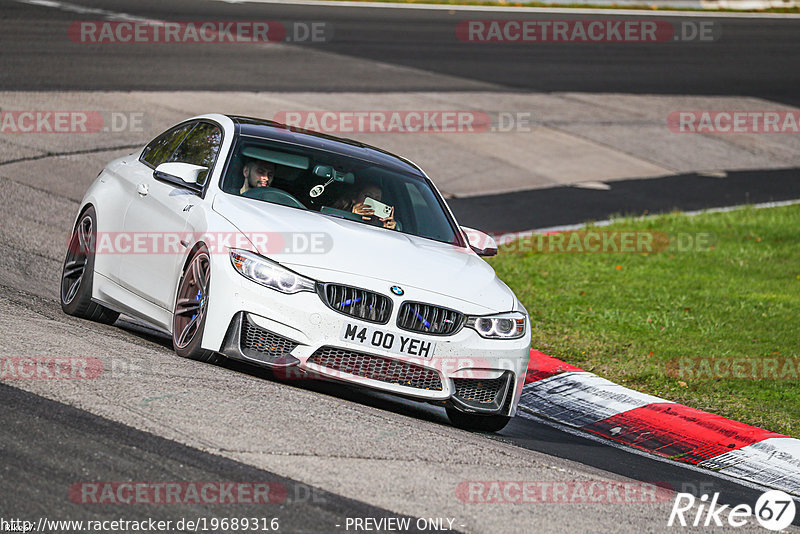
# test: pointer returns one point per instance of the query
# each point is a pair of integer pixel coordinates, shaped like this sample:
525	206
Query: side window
162	147
200	147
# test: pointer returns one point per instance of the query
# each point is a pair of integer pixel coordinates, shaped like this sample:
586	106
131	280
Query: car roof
267	129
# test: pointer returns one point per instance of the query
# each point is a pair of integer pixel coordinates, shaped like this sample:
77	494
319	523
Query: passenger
356	205
257	173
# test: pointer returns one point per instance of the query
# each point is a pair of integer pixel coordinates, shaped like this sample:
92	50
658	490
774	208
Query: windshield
338	186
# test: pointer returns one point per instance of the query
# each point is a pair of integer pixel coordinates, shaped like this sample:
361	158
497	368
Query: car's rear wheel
78	273
189	316
477	422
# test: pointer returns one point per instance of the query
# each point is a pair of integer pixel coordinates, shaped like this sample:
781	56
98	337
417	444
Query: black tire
476	422
191	303
78	272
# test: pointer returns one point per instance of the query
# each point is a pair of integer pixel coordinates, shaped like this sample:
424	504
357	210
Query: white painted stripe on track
84	10
773	462
581	398
608	222
508	9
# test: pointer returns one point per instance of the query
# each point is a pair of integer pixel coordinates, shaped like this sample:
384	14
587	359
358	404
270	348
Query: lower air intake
486	395
256	342
377	368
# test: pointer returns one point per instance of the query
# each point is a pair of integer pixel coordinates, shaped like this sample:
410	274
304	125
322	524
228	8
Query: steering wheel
276	196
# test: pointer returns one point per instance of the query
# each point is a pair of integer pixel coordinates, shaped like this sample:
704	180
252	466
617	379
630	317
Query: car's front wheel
189	316
78	273
476	422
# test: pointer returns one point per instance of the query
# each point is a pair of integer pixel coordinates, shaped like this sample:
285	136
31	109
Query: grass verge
709	317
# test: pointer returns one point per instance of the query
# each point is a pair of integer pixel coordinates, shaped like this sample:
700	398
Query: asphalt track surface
751	57
48	445
34	474
556	206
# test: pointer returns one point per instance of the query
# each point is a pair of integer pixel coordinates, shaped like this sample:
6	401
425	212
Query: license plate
380	339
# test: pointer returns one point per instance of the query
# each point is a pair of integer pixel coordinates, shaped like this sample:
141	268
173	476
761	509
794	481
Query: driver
257	173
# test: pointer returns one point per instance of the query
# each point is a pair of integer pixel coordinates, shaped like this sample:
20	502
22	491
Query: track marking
119	16
527	413
774	461
607	222
542	10
83	10
591	404
581	398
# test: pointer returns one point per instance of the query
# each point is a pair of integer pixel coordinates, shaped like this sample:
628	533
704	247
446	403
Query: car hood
332	249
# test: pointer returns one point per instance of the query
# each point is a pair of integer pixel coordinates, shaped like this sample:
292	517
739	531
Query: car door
156	218
134	177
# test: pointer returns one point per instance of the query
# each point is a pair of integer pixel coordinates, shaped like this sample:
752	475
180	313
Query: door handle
142	189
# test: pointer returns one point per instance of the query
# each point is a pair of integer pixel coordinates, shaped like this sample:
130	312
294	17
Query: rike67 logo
774	510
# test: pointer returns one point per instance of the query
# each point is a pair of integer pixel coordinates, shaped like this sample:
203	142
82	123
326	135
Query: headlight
501	326
269	273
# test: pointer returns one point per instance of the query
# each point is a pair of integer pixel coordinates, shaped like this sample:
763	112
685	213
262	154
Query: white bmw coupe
309	254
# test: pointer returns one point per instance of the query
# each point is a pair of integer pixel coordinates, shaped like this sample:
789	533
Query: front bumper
299	337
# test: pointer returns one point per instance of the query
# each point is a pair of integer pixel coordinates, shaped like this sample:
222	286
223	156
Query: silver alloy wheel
190	307
80	246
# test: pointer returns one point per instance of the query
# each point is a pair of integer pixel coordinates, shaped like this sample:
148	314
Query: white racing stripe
609	222
509	9
579	399
111	15
774	462
84	10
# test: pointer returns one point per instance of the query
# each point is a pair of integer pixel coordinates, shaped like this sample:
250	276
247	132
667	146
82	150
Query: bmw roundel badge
397	290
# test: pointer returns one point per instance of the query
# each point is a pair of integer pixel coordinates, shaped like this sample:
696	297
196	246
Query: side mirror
483	244
180	172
